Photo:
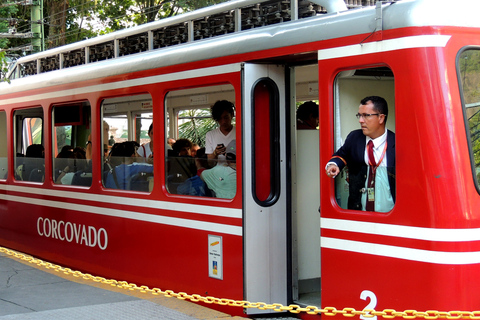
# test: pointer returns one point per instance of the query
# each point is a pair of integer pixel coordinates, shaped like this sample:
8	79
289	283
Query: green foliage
113	15
469	65
197	123
3	66
68	21
6	12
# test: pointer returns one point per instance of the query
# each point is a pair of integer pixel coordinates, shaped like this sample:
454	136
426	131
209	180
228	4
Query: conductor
369	154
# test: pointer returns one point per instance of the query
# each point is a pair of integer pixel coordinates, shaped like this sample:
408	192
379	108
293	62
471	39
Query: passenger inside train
222	179
195	186
125	172
75	162
223	112
83	177
145	151
33	166
180	164
307	116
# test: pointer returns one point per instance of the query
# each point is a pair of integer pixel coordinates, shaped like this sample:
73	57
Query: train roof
398	14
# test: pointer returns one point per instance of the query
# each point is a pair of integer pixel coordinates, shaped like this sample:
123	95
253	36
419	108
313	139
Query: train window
266	165
30	152
360	116
3	145
127	138
71	130
194	166
468	66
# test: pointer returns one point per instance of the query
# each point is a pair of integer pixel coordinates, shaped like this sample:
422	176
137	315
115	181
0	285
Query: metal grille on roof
245	15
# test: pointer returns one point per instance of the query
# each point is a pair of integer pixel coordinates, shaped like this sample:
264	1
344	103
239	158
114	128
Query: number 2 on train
371	306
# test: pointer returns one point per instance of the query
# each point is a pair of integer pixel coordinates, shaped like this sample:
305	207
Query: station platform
28	292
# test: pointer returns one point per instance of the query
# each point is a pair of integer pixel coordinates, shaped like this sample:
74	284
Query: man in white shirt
216	140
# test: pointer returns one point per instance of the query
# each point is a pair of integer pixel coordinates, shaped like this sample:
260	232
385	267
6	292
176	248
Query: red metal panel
435	190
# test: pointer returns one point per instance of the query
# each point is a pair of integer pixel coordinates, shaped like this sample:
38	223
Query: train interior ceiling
129	118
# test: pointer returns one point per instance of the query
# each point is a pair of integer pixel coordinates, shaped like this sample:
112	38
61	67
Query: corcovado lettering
72	232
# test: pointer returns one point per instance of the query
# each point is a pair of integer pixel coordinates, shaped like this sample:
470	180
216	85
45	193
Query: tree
57	15
121	14
69	21
469	65
6	13
196	124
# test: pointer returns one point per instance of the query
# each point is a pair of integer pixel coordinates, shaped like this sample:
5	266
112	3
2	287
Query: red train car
285	234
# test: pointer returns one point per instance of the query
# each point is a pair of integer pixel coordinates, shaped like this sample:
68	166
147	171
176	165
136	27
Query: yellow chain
293	308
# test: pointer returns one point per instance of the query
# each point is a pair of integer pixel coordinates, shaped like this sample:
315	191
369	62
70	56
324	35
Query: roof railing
224	18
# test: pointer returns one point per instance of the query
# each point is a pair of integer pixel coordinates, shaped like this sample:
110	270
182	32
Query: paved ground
30	293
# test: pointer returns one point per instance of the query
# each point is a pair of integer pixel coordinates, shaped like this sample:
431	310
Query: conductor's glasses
366	116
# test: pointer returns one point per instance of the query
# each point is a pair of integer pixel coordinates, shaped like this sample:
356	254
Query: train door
305	186
353	271
265	184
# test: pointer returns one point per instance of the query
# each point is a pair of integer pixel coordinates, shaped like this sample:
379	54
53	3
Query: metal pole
37	26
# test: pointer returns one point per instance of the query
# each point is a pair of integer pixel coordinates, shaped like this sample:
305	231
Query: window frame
464	111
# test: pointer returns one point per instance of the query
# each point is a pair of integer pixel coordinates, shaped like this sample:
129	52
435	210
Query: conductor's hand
332	170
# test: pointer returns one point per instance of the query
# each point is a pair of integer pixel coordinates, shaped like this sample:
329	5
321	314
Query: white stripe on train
436	257
189	74
172	221
409	232
165	205
423	41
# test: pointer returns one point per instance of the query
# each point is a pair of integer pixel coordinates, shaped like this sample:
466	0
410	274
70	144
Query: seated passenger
84	177
195	148
146	150
61	161
222	179
33	167
170	143
195	186
123	169
201	161
307	116
77	162
181	166
65	149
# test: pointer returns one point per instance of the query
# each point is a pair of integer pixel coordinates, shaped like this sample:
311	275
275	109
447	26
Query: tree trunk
58	17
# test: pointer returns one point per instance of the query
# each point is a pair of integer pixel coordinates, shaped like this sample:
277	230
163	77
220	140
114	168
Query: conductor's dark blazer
352	155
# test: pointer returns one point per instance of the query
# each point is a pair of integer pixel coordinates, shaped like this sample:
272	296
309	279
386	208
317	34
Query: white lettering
71	231
68	231
60	229
47	234
38	226
84	236
54	229
77	232
92	231
105	243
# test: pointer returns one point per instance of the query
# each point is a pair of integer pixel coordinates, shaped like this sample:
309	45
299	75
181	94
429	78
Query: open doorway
305	188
